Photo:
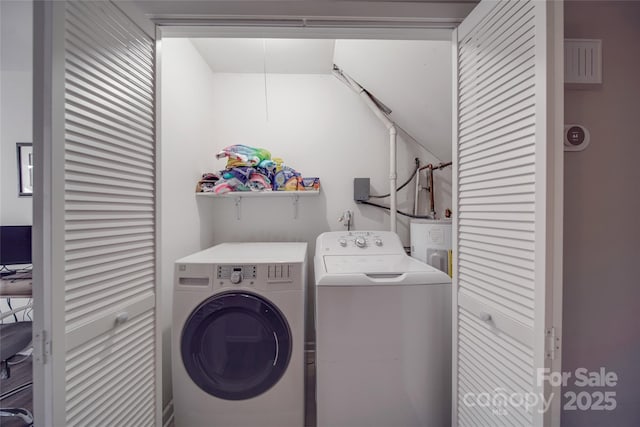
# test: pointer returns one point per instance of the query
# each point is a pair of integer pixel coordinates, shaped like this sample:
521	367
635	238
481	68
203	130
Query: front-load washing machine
383	334
238	336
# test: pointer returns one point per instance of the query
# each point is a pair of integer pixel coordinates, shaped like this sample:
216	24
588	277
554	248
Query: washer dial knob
236	277
343	242
378	242
361	242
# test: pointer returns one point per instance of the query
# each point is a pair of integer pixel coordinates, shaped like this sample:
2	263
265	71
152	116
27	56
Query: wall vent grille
583	61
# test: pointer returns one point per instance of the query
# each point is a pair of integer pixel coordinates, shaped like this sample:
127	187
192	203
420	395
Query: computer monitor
15	244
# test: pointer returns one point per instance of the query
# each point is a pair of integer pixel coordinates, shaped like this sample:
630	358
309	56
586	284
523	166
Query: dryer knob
343	242
236	277
378	242
361	242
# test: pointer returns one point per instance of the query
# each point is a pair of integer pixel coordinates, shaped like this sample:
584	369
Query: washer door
236	345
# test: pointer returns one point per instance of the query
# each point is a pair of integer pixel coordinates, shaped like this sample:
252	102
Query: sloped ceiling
412	77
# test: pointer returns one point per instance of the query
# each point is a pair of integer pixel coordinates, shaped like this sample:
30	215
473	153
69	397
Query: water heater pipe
417	189
393	134
430	184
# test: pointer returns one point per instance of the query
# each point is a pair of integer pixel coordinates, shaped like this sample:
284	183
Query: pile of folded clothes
253	169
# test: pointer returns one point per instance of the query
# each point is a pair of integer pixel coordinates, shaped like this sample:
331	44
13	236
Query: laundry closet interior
286	94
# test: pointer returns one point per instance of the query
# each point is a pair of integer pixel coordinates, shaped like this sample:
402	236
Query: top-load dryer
383	334
238	336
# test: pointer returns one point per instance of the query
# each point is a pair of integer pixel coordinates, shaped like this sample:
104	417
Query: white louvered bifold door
103	219
507	160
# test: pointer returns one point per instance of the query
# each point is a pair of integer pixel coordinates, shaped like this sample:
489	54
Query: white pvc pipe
417	192
392	178
393	133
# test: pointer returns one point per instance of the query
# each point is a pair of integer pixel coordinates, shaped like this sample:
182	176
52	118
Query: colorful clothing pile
250	169
207	183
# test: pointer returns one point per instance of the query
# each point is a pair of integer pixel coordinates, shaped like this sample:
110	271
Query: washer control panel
359	242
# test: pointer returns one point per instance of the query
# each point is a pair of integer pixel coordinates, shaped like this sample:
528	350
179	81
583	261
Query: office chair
14	337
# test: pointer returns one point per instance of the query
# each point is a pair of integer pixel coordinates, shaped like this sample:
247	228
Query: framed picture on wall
25	168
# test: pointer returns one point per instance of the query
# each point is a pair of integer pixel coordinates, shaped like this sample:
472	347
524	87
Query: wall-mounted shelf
239	195
234	194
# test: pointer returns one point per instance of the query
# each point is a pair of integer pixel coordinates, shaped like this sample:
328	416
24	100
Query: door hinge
41	347
552	343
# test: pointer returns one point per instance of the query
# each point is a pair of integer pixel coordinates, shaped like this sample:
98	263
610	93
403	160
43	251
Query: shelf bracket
296	198
238	202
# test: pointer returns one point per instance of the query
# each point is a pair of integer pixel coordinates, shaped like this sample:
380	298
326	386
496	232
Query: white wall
186	132
16	75
602	201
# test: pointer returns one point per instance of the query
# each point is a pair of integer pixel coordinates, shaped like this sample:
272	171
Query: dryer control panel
233	272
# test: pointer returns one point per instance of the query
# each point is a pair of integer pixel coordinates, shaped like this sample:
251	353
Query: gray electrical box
361	189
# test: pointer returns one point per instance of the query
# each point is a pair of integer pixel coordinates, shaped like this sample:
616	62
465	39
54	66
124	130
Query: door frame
357	25
270	28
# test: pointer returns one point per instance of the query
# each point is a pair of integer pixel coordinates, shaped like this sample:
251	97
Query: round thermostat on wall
576	137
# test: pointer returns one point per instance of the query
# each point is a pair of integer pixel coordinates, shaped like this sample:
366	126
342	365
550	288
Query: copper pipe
443	165
432	202
440	166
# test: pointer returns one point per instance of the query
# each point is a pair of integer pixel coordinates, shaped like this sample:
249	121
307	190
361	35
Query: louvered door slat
100	162
103	53
114	105
501	238
98	252
497	153
515	32
479	363
92	384
78	109
72	225
92	74
108	145
467	54
85	54
86	287
79	169
516	74
500	289
109	219
79	291
516	135
498	101
114	36
86	179
83	145
103	88
498	246
512	280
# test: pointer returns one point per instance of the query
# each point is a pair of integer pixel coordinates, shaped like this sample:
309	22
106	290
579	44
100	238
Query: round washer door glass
236	345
